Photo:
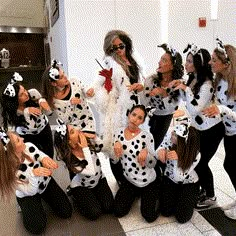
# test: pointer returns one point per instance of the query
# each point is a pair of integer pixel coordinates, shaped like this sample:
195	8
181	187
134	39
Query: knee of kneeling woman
182	219
38	228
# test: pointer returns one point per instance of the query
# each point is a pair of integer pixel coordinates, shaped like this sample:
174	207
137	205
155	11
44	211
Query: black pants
178	199
209	142
158	127
34	216
230	159
117	171
149	199
43	141
92	202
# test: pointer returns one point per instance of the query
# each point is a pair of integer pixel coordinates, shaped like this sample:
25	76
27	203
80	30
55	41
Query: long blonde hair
230	77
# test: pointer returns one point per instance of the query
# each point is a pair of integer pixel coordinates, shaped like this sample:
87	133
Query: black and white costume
89	187
35	129
227	107
31	189
140	180
79	115
164	109
179	188
211	131
113	106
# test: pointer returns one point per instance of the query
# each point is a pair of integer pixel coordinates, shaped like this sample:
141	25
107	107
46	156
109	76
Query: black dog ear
164	46
187	48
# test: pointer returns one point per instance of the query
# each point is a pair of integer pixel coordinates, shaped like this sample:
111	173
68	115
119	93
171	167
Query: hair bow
181	129
220	46
194	49
10	90
61	128
150	110
169	49
4	137
54	72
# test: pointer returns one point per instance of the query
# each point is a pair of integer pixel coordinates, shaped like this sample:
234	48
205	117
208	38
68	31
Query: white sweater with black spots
29	184
175	173
132	170
34	124
113	106
91	174
164	105
227	108
79	115
195	105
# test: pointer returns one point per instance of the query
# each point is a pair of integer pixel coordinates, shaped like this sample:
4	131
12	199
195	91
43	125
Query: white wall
25	13
87	21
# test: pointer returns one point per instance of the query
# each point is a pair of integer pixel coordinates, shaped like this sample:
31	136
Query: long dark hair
203	69
187	151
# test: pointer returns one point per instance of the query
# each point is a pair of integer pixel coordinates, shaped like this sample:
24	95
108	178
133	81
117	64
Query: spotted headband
4	137
169	49
61	128
194	49
181	129
220	46
54	72
10	90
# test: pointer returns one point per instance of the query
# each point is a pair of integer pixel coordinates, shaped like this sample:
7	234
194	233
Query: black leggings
34	216
209	142
158	127
149	199
230	160
43	141
178	199
92	202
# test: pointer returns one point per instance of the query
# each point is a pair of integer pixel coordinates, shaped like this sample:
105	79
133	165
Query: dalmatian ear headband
10	90
169	49
54	72
221	48
61	128
4	138
150	110
182	128
194	49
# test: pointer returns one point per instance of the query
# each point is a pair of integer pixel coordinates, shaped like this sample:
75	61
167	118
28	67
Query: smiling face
73	135
189	66
136	118
23	95
165	64
18	143
217	65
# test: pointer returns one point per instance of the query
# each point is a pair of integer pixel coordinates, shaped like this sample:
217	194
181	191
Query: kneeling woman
27	170
180	152
135	149
89	187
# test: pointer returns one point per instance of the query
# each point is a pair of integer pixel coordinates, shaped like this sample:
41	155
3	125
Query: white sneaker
231	213
229	206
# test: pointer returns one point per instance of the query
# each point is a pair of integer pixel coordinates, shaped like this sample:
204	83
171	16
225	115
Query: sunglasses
115	48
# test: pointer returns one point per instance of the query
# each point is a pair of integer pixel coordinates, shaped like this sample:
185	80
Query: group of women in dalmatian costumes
118	92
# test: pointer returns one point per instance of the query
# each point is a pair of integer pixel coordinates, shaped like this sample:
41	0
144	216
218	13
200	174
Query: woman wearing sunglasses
118	86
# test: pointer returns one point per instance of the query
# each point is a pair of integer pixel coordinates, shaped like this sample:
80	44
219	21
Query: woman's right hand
158	91
118	149
83	141
161	153
42	171
34	111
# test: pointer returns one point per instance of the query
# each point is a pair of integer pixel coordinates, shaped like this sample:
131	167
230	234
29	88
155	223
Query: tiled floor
132	224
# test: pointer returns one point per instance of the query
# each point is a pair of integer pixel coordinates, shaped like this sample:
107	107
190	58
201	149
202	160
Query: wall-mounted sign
54	5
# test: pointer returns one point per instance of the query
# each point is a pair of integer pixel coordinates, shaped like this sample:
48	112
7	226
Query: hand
49	163
45	106
83	141
161	153
142	156
158	91
42	171
177	84
172	155
135	87
118	149
211	111
34	111
90	92
75	101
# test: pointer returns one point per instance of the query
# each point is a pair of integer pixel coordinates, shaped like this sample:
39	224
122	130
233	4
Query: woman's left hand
135	87
211	111
49	163
172	155
75	101
142	156
83	141
90	92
